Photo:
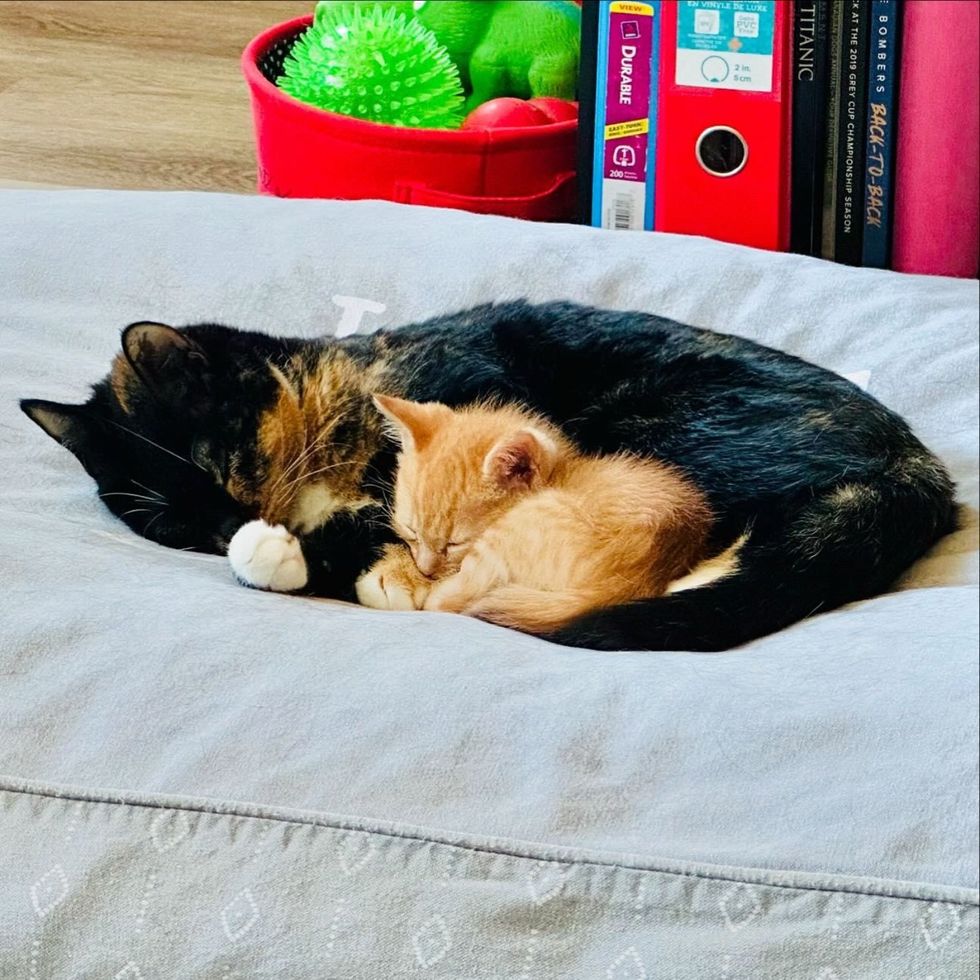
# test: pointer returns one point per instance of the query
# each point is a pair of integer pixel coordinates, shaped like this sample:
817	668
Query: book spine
880	133
828	219
850	131
810	54
937	184
587	107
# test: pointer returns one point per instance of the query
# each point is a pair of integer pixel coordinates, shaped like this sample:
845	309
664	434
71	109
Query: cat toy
509	113
509	47
412	64
373	62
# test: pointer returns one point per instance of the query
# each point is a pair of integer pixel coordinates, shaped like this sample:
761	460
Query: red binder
723	159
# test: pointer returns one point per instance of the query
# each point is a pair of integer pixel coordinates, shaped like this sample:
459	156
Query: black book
828	221
879	164
588	56
810	61
855	24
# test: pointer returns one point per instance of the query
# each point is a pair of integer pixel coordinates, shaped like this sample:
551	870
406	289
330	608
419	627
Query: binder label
627	115
726	44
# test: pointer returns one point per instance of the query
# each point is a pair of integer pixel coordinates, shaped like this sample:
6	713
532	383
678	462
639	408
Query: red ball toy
508	113
557	110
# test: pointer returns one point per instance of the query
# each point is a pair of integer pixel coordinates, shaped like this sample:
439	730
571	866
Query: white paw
267	557
379	591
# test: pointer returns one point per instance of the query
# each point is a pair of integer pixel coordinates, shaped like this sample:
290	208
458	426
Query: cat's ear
415	423
521	460
79	428
68	424
167	361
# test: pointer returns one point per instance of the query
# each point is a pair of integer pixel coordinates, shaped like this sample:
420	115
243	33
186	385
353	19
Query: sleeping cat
518	527
821	495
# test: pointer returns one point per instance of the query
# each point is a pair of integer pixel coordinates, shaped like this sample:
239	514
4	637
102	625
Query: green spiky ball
329	9
372	62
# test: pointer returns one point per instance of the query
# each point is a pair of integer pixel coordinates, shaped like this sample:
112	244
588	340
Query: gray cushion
200	780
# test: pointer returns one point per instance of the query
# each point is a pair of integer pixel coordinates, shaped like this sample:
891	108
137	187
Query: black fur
189	414
838	496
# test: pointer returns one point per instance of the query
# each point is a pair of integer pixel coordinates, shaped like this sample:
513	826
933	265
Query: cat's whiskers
380	522
304	455
321	469
277	487
381	491
149	523
136	496
156	445
155	493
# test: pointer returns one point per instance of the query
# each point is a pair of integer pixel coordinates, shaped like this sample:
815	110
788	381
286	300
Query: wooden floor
129	93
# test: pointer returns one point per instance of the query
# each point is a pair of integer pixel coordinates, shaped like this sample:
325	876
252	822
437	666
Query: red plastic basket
303	151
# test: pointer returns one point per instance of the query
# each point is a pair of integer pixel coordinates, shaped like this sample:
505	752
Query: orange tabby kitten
507	521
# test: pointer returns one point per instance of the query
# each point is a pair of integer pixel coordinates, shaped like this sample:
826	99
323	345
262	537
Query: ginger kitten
508	522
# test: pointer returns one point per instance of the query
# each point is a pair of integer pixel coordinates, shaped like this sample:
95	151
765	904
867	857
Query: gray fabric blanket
197	780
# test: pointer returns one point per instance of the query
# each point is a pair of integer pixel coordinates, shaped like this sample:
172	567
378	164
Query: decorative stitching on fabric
353	852
151	881
739	906
261	845
49	891
73	822
630	960
35	950
239	915
927	923
335	923
748	877
639	901
542	886
532	947
838	912
169	829
129	972
432	941
450	868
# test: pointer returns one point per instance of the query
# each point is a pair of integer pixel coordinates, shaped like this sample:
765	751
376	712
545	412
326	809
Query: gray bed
197	780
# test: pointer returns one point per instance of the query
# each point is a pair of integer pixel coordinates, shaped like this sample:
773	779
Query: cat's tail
530	610
847	543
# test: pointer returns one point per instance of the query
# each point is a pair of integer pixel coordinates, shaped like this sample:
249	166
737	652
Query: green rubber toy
509	47
372	62
330	8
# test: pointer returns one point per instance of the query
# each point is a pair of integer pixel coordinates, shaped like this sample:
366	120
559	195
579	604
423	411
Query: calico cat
821	495
519	528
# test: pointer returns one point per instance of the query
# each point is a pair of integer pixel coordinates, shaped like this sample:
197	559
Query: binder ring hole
721	151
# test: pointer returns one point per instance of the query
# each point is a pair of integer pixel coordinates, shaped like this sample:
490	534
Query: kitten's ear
67	424
167	361
415	423
520	460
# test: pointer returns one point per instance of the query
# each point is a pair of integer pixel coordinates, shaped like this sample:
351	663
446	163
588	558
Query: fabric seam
954	895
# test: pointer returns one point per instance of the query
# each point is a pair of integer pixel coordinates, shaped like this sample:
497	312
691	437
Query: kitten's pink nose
427	560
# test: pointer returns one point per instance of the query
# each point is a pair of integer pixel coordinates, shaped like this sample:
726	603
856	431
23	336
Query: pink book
937	187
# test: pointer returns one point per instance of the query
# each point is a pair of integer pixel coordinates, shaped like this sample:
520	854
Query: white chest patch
315	504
